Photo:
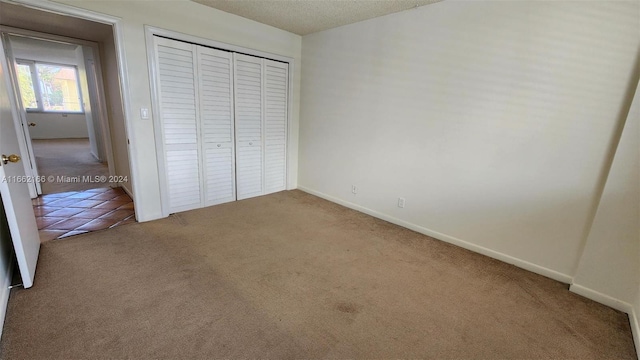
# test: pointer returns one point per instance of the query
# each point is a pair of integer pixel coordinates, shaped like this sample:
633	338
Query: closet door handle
250	143
218	145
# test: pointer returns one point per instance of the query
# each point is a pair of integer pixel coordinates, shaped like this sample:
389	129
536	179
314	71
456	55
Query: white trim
158	131
126	189
564	278
214	44
289	185
62	9
46	37
601	298
635	329
128	122
5	291
614	304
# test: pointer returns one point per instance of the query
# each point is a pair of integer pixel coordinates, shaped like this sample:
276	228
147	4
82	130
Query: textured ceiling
304	17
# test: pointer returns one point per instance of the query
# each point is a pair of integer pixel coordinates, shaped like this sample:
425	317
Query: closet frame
150	33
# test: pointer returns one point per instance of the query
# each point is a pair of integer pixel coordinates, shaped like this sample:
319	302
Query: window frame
35	83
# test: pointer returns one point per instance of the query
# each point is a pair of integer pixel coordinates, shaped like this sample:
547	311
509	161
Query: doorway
73	121
58	102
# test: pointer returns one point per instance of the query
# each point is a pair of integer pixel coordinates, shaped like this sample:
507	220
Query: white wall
610	264
57	126
493	119
193	19
86	104
95	100
115	111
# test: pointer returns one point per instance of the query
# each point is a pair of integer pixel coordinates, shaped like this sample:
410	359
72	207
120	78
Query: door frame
150	32
100	110
118	39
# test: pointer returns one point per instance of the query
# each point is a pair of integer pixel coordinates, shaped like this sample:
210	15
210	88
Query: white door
15	194
24	139
215	71
276	80
179	113
249	139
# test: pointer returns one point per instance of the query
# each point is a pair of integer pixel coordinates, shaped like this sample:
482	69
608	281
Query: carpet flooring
288	276
67	157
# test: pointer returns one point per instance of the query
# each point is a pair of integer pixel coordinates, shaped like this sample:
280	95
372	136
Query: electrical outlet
401	202
354	189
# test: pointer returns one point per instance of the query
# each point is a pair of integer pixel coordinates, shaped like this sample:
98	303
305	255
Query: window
49	87
25	83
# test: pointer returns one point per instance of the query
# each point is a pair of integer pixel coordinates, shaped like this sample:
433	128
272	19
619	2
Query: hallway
67	157
77	212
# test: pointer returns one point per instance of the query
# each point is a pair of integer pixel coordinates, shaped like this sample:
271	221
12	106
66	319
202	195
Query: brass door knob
32	124
11	158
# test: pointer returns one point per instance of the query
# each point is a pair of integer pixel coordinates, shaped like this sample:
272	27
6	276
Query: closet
223	124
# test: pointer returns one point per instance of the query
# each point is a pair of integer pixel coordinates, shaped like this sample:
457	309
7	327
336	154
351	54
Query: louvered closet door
248	106
276	80
179	119
215	69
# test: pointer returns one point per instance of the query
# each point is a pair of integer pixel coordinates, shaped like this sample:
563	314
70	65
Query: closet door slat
217	125
276	82
223	124
248	77
179	118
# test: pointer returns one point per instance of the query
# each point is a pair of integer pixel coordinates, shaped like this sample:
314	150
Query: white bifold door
249	127
216	113
276	90
223	122
261	125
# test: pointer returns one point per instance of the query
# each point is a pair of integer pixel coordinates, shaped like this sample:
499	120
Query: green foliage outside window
25	83
57	87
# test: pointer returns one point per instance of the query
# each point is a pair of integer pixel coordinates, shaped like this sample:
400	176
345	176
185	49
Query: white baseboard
615	304
127	190
564	278
575	288
130	193
601	298
635	329
4	294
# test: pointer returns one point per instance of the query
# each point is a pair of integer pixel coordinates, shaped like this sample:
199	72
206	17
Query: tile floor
77	212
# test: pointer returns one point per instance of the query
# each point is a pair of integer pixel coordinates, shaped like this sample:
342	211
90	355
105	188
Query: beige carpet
67	157
289	276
